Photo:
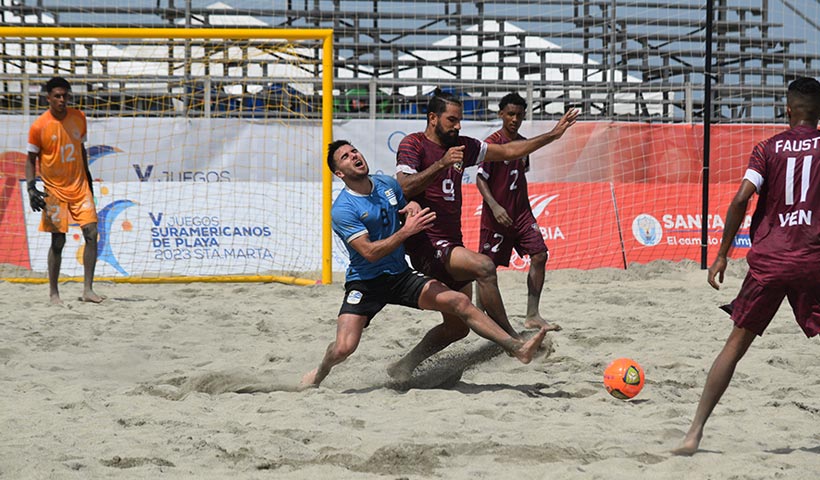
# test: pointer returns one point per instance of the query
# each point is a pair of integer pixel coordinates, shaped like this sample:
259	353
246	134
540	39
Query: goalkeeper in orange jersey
57	139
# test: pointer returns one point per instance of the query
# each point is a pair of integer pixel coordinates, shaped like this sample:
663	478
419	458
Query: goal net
206	116
205	147
628	183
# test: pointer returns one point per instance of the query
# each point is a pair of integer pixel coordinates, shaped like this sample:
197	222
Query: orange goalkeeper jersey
59	144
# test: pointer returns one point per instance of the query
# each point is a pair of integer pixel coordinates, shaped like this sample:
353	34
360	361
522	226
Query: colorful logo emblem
354	297
95	152
105	221
647	230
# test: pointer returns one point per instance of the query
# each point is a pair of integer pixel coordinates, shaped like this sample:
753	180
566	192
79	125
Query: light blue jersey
376	215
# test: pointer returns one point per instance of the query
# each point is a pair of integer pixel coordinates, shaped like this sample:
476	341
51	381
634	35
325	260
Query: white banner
227	150
173	229
212	196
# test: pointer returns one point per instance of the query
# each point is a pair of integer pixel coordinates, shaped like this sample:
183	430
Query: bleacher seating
658	49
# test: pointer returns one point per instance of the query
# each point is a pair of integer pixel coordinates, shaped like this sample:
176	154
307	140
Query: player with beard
367	216
429	168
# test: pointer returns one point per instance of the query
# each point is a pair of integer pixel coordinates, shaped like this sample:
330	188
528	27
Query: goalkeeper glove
36	197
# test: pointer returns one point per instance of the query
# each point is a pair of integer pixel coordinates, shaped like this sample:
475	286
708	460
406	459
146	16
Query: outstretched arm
520	148
413	224
500	214
734	217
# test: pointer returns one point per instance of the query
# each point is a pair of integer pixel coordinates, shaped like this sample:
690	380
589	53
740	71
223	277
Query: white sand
196	381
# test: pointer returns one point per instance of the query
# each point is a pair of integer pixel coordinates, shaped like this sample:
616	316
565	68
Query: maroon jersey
507	182
417	153
785	228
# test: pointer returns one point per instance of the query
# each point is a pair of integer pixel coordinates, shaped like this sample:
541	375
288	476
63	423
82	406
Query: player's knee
486	270
539	259
57	243
342	350
90	233
460	304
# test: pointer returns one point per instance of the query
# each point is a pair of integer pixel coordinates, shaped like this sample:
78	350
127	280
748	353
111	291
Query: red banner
663	221
13	243
624	152
577	221
594	225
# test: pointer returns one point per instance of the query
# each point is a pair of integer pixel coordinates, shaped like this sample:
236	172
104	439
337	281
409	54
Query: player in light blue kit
367	216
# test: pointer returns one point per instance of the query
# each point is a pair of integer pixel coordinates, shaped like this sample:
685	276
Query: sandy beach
198	381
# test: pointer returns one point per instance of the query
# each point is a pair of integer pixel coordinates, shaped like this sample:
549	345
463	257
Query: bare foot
689	446
91	297
55	299
399	372
527	352
308	381
546	348
538	322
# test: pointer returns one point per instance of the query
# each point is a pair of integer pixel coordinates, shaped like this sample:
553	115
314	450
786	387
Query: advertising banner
663	221
606	194
165	149
577	221
175	149
196	229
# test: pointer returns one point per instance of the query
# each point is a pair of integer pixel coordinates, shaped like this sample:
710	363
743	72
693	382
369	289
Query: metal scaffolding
614	59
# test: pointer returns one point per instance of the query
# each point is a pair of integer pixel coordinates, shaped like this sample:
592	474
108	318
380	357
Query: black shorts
368	297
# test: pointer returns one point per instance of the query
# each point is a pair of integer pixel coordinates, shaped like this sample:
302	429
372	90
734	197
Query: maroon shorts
430	257
756	304
524	235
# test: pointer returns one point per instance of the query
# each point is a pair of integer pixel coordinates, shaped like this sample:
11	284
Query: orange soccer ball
623	378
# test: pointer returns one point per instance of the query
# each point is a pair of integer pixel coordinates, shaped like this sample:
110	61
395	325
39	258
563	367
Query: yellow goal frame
324	35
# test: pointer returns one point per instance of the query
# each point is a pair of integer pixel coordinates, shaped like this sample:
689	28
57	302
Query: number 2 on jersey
514	183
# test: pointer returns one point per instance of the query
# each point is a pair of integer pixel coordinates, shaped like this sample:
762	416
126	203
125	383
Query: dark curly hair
57	82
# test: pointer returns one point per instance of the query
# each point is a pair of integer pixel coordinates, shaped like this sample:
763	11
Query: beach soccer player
367	216
507	221
57	140
784	260
429	168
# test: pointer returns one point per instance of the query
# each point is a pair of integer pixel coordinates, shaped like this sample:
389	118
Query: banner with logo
173	149
580	226
158	229
161	149
225	149
655	170
663	221
577	220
